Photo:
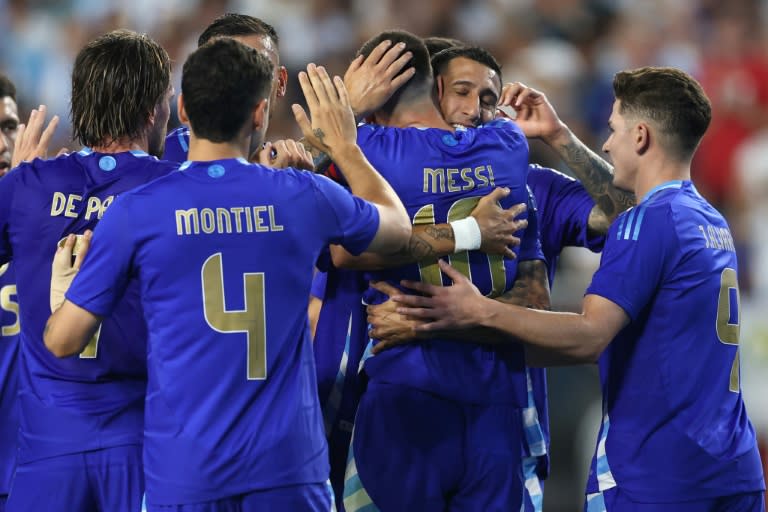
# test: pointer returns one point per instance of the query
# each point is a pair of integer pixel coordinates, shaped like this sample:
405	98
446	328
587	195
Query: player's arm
497	228
538	119
332	130
70	327
551	338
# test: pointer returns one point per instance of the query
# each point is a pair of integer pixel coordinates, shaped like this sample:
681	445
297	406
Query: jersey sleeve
177	145
568	217
107	268
530	243
319	282
638	245
356	220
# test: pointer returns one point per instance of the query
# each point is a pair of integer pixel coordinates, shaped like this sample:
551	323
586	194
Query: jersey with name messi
675	427
94	400
224	253
440	176
9	347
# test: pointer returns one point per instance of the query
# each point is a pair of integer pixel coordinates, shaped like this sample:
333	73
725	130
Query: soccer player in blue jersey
440	174
223	253
661	318
81	418
9	309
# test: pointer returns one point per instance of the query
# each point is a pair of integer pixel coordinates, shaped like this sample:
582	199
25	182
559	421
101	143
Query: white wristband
466	234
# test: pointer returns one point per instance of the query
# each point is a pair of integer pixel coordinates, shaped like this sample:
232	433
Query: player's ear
181	110
439	83
260	115
642	136
282	81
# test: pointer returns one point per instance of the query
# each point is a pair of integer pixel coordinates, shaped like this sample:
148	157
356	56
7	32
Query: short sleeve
357	220
105	273
319	282
530	243
632	265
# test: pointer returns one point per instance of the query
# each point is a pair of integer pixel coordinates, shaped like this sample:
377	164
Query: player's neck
203	150
661	170
122	145
422	114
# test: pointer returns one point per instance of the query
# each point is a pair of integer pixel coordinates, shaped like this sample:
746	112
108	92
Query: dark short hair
422	78
7	88
437	44
442	58
117	81
671	98
221	83
233	25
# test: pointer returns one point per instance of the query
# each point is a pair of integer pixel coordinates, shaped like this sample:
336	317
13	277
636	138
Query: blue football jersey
9	347
224	253
93	400
440	176
177	145
675	427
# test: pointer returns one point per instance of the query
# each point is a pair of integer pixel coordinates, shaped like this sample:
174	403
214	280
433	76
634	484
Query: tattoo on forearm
531	288
423	243
597	177
440	233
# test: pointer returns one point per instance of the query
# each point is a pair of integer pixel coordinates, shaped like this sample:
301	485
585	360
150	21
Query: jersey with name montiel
224	252
94	400
440	176
9	347
674	427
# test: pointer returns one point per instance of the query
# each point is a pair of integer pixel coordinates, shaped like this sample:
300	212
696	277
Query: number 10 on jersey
250	320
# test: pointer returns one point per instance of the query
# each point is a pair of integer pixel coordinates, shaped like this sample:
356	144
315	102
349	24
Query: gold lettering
434	180
479	175
248	221
190	219
237	211
72	201
207	220
224	224
452	187
105	204
6	292
257	211
465	175
94	206
273	226
57	204
490	175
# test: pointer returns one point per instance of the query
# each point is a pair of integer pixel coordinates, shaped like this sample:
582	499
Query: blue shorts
613	500
412	450
295	498
98	480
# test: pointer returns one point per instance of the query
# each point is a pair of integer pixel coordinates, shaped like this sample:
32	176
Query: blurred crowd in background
570	49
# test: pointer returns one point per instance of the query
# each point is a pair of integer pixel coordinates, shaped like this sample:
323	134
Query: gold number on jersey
250	320
91	350
6	292
726	331
429	270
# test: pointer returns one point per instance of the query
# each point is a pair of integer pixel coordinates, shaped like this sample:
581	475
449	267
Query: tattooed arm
538	119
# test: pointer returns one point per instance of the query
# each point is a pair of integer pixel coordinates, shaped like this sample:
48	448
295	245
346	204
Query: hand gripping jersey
675	427
223	252
440	176
94	400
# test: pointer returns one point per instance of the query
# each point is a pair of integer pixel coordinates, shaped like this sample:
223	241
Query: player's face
156	137
620	148
266	46
9	125
468	92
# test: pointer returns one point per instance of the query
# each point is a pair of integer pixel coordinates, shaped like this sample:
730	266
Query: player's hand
535	115
497	225
371	81
32	139
388	326
285	153
332	126
67	261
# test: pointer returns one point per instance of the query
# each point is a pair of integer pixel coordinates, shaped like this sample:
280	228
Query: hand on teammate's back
66	263
33	138
330	125
497	225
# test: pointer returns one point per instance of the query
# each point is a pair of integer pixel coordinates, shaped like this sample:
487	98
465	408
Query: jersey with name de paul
94	400
675	427
224	253
440	176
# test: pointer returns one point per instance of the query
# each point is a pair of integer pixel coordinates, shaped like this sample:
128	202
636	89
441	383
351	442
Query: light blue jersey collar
663	186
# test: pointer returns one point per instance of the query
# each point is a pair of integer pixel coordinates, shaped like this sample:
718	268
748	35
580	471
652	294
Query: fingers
385	288
303	120
317	77
451	272
425	288
516	209
308	90
377	53
63	151
354	66
341	90
82	245
497	194
412	301
45	138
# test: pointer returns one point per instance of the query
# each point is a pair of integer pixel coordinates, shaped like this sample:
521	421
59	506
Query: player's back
224	252
676	427
9	347
66	403
440	176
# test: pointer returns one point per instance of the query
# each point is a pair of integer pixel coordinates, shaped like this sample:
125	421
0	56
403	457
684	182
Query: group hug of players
166	361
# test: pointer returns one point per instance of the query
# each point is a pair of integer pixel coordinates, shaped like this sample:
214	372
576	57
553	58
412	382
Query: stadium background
570	49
